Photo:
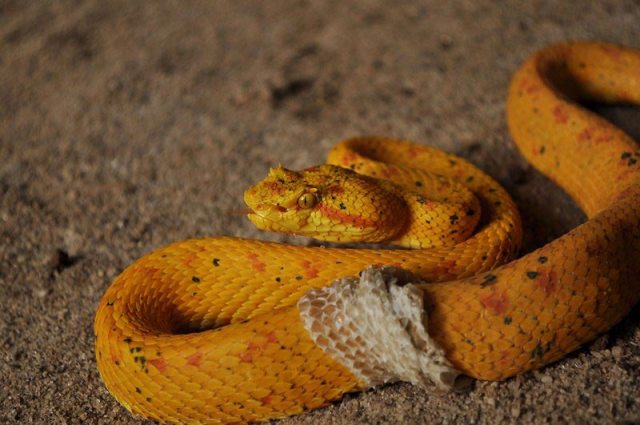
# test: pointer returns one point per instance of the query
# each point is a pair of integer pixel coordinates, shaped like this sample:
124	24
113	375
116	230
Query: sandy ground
125	126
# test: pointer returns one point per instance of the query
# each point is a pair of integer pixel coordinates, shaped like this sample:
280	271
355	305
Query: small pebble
515	411
616	352
546	379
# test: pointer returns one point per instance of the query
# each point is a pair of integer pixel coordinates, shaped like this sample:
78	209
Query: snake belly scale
208	331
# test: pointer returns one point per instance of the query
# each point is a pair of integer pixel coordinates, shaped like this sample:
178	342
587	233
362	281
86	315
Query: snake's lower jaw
263	223
258	221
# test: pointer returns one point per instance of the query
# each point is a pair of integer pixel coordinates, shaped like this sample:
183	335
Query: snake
210	331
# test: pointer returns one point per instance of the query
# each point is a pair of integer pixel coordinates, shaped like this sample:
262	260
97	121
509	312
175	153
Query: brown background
126	125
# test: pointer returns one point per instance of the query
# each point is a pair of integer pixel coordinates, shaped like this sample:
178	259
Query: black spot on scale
632	161
537	352
138	390
216	262
419	183
469	179
489	279
299	277
470	212
542	259
507	320
278	279
128	340
532	274
195	279
342	206
453	218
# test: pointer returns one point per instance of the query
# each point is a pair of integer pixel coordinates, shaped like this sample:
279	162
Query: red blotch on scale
444	268
389	171
334	190
349	158
495	302
255	346
310	270
343	217
271	337
624	193
586	134
504	358
189	259
626	173
159	364
413	151
275	188
546	280
195	359
256	264
560	115
595	249
266	400
612	53
604	138
246	357
529	87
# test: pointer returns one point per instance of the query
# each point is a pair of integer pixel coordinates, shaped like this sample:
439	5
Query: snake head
326	202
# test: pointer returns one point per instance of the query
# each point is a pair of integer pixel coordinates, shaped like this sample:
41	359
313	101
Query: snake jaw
263	220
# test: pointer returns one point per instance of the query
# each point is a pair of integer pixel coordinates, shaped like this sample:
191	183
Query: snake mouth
269	219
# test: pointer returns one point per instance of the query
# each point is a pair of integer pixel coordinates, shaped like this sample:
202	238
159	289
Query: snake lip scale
231	330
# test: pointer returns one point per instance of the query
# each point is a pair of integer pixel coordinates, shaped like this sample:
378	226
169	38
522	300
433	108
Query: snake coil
209	330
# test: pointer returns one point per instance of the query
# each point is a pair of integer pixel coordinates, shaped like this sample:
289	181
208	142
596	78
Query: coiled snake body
208	330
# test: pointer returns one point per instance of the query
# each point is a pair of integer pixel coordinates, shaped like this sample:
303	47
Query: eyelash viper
208	330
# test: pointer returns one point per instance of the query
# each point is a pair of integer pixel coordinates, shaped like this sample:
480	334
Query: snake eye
307	200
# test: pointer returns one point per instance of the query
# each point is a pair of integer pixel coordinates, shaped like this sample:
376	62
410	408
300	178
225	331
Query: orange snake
208	330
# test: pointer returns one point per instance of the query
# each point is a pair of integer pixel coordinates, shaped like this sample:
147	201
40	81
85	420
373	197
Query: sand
125	126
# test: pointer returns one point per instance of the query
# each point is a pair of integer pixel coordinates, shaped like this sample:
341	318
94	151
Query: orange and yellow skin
207	330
